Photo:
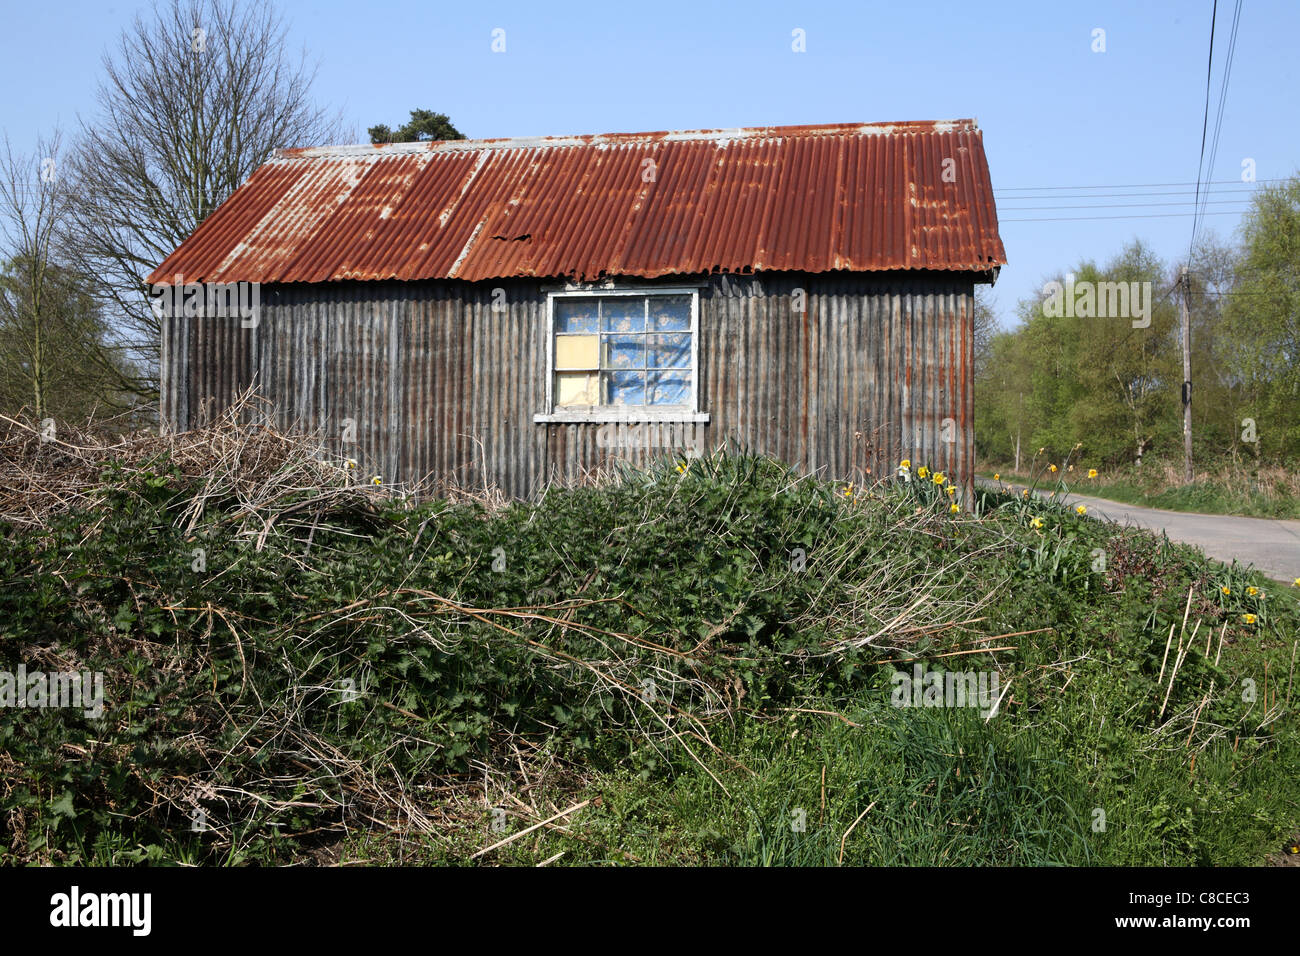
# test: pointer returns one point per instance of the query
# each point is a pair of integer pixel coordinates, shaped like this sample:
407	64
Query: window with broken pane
625	350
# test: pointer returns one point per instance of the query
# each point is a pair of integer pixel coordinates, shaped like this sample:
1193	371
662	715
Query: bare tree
33	205
194	99
985	326
53	358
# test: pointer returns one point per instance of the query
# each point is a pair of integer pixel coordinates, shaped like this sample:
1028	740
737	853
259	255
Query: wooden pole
1020	411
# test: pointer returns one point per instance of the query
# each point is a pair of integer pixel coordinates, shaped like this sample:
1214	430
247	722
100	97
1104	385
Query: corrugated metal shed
812	199
442	385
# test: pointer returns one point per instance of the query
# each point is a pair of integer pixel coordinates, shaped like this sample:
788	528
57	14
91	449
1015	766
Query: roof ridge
380	150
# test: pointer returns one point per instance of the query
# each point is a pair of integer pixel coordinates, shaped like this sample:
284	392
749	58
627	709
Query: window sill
615	416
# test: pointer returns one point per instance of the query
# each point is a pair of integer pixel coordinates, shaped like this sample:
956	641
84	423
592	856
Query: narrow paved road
1270	544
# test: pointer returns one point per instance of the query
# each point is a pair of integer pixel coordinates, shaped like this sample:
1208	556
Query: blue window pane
624	351
575	315
669	351
622	314
668	388
625	388
670	313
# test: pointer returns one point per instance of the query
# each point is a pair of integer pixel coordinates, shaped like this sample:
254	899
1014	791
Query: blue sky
1054	113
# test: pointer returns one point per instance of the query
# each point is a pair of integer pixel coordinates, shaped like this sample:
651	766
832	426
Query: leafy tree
1130	378
424	126
34	204
56	355
1217	395
1083	374
1002	425
1262	318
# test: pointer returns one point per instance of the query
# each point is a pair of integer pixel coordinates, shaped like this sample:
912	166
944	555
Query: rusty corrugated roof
855	197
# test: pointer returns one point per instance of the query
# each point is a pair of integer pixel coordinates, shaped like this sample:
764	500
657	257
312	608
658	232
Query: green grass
702	651
1202	497
1220	489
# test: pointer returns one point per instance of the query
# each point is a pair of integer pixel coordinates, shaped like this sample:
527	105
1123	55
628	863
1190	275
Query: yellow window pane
577	351
576	388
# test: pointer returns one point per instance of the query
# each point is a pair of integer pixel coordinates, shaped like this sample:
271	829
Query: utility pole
1020	413
1187	380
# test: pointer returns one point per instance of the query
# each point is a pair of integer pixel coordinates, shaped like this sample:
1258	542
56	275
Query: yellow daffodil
938	478
1226	590
951	489
955	508
923	472
1036	523
1252	591
905	463
1025	493
376	480
1092	472
997	477
1052	469
1248	618
1081	509
1297	582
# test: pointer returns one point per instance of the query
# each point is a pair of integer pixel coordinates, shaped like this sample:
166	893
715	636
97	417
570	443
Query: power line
1223	98
1159	215
1267	295
1130	205
1221	182
1205	120
1162	194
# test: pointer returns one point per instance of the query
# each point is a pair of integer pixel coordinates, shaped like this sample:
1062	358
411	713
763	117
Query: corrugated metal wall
441	385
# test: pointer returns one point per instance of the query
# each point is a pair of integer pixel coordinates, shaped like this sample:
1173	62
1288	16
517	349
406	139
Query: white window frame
623	413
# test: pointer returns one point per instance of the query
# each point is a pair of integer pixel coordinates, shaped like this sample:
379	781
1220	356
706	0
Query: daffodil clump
941	484
1037	471
1246	604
